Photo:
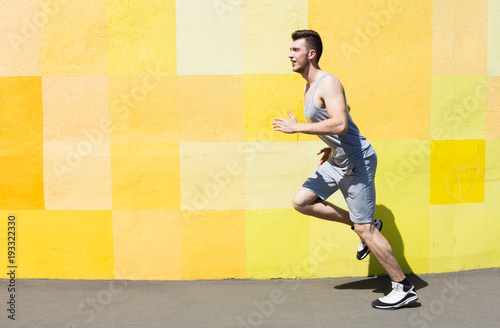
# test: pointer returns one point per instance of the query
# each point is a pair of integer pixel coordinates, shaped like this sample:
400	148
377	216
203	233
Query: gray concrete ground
461	299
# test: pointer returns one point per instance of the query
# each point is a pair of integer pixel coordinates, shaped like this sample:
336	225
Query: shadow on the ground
380	282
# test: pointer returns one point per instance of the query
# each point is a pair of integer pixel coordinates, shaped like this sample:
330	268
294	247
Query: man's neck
312	73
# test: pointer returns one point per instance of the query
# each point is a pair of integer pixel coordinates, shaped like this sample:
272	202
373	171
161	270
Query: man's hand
286	125
326	154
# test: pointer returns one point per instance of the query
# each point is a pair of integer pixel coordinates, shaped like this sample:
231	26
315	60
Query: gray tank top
349	149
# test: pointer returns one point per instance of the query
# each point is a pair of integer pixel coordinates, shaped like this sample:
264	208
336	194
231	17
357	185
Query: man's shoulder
330	77
330	82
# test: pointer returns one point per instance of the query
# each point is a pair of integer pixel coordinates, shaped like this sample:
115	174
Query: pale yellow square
212	176
458	107
213	244
455	243
20	42
493	108
143	108
459	37
209	38
142	37
145	175
383	60
267	26
493	38
147	245
74	38
492	204
211	108
274	171
77	175
76	108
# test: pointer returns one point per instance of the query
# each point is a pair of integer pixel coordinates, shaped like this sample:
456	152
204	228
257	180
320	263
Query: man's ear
312	54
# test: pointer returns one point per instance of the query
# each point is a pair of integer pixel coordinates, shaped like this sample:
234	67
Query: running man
348	163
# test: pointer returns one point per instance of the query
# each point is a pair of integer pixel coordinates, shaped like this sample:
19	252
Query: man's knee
363	229
301	203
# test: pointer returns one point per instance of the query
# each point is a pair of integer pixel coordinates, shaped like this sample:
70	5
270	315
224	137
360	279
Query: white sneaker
400	295
363	250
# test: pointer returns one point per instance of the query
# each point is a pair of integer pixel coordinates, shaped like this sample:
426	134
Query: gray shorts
357	184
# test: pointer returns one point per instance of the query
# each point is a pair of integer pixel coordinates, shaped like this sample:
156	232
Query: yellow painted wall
136	138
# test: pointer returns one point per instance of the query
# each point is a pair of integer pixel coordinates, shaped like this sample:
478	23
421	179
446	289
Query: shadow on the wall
380	283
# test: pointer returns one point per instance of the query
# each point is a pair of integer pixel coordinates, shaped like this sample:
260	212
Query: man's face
299	55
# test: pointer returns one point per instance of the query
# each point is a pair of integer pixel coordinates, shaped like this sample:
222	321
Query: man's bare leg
381	249
403	293
308	203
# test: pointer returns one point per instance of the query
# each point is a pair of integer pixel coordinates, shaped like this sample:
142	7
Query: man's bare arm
332	94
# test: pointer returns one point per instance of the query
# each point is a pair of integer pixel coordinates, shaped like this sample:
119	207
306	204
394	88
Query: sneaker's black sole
409	300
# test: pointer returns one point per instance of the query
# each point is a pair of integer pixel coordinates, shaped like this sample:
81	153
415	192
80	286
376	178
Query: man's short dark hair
313	40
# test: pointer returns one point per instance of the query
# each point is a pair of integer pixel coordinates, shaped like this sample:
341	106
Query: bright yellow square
383	61
77	175
493	108
274	171
21	143
21	177
76	108
147	245
145	175
20	38
457	171
267	26
211	108
213	244
277	244
74	38
141	37
209	37
212	176
266	97
21	114
65	244
458	107
493	38
459	37
143	108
